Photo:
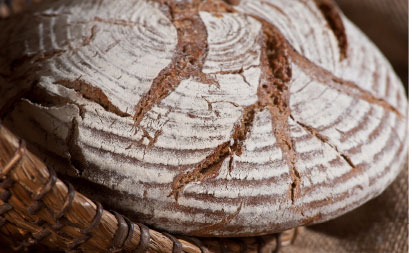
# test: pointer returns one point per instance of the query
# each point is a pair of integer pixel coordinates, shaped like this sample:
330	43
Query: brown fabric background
381	225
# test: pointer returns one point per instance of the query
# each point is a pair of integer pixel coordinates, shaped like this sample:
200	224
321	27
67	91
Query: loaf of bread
206	118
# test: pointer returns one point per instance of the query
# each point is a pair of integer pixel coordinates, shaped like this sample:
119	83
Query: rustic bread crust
207	118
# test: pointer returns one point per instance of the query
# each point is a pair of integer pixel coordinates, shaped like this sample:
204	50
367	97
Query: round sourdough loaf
206	118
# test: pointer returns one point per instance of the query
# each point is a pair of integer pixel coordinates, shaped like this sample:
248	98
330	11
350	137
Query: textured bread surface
207	118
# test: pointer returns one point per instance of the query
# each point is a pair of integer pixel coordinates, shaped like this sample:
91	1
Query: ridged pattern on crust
209	154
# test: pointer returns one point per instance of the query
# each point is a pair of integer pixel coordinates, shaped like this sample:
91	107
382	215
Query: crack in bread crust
274	94
325	139
92	93
331	13
210	166
188	59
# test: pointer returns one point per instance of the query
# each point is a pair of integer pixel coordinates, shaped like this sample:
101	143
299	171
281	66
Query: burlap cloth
381	225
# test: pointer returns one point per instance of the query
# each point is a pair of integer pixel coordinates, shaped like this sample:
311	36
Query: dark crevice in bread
207	168
42	97
217	7
188	59
211	165
274	94
90	38
324	139
240	71
152	140
242	130
277	9
77	158
113	21
331	13
232	2
92	93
